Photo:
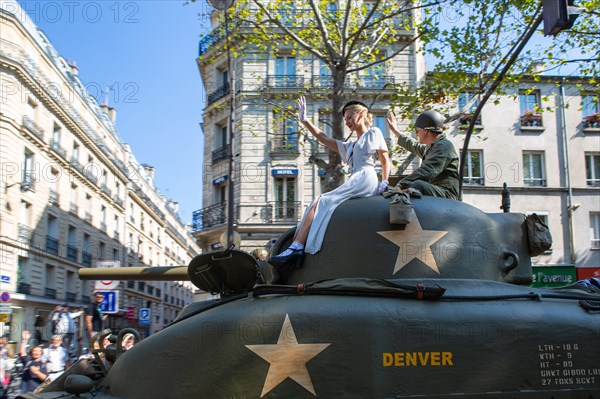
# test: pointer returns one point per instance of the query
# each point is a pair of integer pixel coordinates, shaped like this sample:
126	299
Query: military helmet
430	120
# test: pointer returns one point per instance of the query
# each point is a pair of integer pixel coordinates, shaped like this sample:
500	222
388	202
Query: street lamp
224	5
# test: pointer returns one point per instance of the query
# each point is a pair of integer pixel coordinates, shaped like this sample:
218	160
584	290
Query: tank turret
439	307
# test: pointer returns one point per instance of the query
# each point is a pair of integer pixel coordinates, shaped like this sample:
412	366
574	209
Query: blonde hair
357	108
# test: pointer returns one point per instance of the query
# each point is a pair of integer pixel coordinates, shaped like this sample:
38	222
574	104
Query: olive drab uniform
438	174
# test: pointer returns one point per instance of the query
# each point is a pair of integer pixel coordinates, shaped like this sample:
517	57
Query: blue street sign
110	304
145	316
5	279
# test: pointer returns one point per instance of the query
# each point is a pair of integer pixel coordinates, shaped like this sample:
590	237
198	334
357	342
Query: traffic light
558	15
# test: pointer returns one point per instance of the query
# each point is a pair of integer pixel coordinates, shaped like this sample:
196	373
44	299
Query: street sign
4	318
5	308
145	316
106	285
108	263
5	297
110	304
5	278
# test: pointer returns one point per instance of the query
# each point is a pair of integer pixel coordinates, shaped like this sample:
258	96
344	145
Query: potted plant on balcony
593	120
531	118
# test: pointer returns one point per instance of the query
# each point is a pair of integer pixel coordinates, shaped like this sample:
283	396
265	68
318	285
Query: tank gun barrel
156	273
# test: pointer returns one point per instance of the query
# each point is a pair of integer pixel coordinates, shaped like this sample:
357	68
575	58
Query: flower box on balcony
592	121
531	118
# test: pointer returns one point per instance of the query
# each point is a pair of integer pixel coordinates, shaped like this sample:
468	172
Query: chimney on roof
149	169
112	114
73	66
173	205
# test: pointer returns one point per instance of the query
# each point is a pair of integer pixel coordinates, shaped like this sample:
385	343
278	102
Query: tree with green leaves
472	46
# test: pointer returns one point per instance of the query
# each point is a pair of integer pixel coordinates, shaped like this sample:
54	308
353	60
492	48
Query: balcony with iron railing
51	245
55	145
210	216
50	293
73	209
53	197
72	253
376	82
86	258
88	217
33	128
286	143
284	81
273	212
24	288
103	226
220	154
219	93
71	296
104	188
25	234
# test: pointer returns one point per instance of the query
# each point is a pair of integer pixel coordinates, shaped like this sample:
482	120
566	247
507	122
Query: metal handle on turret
511	261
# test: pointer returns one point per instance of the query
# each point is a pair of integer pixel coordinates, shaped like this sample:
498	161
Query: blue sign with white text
110	304
145	316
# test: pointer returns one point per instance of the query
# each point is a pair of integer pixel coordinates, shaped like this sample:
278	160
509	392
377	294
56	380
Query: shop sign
553	276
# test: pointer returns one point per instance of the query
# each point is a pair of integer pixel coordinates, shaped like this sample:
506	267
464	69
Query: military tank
438	307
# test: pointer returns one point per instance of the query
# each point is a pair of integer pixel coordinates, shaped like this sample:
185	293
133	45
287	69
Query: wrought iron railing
220	154
71	296
24	288
50	293
218	93
210	216
285	81
288	143
86	258
72	253
51	245
25	234
33	127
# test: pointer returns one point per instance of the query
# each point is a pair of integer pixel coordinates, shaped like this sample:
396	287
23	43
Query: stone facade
73	194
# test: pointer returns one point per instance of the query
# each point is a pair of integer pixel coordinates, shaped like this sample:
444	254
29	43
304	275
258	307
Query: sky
145	51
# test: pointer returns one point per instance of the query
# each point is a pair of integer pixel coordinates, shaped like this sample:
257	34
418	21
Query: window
380	122
595	230
28	168
529	102
375	75
286	129
323	78
285	71
473	170
220	193
533	169
285	196
55	136
466	113
589	109
75	156
592	170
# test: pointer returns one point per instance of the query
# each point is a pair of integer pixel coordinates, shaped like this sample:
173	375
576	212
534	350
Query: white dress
361	156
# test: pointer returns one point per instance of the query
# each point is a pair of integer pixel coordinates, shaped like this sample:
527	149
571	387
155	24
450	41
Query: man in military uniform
438	174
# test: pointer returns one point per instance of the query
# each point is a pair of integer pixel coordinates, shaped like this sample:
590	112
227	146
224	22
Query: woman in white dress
360	155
